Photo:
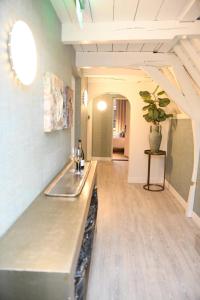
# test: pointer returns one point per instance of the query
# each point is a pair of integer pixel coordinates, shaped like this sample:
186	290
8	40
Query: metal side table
154	187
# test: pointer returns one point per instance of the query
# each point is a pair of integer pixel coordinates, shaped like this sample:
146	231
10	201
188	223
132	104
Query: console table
154	187
42	256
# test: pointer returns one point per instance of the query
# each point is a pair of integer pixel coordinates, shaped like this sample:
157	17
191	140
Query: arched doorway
121	128
110	129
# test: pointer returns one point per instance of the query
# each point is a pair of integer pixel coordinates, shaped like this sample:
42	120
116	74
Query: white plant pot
155	137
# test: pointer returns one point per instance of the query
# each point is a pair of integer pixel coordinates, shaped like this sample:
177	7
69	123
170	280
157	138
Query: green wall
102	128
30	158
197	194
84	116
81	114
180	156
78	110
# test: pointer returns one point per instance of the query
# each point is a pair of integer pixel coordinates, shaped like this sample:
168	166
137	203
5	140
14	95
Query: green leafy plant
156	101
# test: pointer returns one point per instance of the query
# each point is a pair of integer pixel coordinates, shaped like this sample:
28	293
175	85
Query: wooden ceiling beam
187	62
191	52
113	72
170	89
123	59
110	32
191	11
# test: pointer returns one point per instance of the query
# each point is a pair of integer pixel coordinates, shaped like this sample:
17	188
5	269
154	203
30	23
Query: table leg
149	168
164	171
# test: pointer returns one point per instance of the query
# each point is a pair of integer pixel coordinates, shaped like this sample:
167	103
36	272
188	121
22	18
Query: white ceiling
132	75
162	47
125	11
129	10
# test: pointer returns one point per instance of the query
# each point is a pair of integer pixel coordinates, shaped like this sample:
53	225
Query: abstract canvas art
58	103
68	108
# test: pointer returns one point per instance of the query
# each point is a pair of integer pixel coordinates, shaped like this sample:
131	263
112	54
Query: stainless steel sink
68	183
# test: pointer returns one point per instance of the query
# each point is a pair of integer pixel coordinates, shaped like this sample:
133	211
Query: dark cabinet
82	270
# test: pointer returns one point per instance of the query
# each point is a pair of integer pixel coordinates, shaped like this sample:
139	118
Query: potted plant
155	102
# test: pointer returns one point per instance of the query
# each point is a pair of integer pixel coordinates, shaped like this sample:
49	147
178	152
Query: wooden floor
145	248
119	156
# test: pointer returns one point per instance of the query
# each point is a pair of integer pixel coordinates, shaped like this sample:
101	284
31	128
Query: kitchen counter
46	239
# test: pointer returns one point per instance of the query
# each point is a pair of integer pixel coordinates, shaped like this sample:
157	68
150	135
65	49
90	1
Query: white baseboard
102	158
184	204
176	194
196	219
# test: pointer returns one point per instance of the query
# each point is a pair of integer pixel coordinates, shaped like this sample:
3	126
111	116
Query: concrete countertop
48	236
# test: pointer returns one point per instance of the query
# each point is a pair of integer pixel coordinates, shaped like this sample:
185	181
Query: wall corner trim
177	196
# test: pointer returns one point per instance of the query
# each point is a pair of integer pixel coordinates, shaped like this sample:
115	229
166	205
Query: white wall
139	128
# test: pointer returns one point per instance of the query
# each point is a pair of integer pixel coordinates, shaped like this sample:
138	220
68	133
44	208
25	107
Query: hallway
145	248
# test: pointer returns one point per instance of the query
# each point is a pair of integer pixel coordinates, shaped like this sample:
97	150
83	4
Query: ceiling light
101	105
23	54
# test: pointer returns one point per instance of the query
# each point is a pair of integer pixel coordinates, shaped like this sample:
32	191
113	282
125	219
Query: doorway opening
104	128
121	128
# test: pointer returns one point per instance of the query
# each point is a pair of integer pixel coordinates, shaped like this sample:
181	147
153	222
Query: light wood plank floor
119	156
145	248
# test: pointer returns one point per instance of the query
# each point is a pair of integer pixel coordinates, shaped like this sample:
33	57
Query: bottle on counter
82	156
78	161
